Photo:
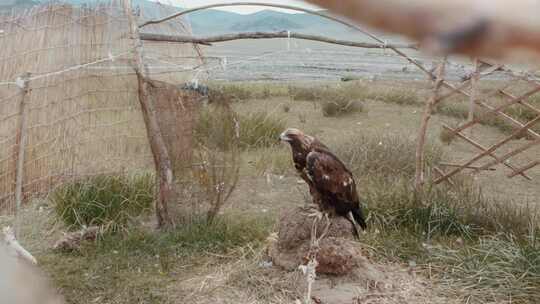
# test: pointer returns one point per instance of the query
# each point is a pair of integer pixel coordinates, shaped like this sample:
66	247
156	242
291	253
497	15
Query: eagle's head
296	137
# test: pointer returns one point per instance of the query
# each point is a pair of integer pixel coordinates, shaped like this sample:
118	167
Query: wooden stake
22	82
419	175
162	161
473	97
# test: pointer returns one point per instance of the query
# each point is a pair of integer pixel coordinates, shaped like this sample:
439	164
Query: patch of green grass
110	201
259	130
216	127
226	93
141	266
335	101
398	96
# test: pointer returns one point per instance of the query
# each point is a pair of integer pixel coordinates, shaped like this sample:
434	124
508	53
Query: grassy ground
474	243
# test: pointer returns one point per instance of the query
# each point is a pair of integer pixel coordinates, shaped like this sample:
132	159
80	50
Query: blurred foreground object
23	283
14	248
493	28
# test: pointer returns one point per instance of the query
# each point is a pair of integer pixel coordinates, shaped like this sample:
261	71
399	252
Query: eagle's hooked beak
284	137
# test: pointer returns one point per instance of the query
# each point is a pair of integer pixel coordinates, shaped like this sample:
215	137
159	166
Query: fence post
22	83
162	160
474	93
420	148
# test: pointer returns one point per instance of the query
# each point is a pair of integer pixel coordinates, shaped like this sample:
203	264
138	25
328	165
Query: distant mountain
214	22
211	22
266	24
9	4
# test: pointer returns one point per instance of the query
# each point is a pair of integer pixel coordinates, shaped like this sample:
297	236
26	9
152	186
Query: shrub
446	136
217	173
386	156
398	96
216	128
259	130
104	200
303	93
225	94
286	107
340	106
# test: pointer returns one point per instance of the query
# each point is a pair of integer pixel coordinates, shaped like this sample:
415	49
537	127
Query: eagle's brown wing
329	175
335	184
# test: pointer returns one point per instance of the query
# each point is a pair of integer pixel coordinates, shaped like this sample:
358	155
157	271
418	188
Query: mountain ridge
215	22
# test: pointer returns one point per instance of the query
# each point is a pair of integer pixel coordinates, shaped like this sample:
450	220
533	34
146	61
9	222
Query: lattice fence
514	110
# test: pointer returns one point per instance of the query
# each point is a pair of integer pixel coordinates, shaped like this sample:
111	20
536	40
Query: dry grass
144	266
275	160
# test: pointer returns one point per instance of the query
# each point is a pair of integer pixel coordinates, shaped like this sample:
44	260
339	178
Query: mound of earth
337	254
344	273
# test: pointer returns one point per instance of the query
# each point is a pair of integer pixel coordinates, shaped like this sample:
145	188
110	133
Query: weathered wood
482	148
466	167
267	35
15	248
421	140
465	84
498	109
513	152
441	173
473	97
162	161
473	27
508	117
22	82
488	151
524	168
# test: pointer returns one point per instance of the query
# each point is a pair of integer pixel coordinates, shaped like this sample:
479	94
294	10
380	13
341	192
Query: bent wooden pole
162	160
420	146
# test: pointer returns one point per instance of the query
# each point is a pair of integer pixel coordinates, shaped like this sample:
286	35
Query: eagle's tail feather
359	218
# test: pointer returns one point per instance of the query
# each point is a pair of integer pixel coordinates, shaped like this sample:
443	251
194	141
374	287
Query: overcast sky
237	9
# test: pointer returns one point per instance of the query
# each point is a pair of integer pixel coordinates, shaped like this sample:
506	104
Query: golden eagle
331	184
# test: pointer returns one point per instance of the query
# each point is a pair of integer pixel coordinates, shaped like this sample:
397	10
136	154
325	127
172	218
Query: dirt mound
338	253
344	273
